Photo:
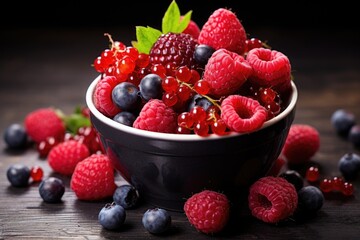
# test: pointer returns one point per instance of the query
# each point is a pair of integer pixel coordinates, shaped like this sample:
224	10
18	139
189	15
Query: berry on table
293	177
126	196
52	189
112	216
310	200
354	135
18	175
342	120
349	165
15	136
208	211
312	174
326	185
348	189
156	220
36	173
45	146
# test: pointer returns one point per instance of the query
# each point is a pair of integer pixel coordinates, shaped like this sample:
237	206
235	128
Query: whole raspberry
174	48
157	117
302	142
272	199
208	211
103	96
93	178
242	114
223	30
271	68
226	71
43	123
64	156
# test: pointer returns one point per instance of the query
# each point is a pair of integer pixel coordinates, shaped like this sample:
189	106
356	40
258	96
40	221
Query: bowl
168	168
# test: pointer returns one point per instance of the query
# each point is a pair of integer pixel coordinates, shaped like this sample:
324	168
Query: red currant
170	98
185	119
36	173
202	87
326	185
183	74
170	84
201	128
337	183
312	174
348	189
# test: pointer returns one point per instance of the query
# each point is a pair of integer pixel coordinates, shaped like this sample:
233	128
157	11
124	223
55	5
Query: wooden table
43	67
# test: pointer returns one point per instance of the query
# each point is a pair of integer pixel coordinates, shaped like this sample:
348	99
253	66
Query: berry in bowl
178	114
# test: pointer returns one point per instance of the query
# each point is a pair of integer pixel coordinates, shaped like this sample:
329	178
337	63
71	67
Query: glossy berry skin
18	175
126	118
126	196
349	165
342	120
15	136
310	199
125	95
51	189
202	54
294	178
112	216
156	220
354	135
150	87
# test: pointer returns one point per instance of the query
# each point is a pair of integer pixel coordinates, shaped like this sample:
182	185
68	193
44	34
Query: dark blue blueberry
126	96
52	189
126	196
126	118
15	136
354	135
342	121
156	220
18	175
150	87
198	100
349	165
202	54
112	216
294	178
310	199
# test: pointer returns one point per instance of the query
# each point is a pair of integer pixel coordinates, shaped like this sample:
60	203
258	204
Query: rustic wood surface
42	67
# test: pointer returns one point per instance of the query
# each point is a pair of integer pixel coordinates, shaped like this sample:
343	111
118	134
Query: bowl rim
173	136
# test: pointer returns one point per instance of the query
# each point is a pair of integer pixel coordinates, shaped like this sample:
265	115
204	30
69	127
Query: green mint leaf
184	22
171	18
76	120
146	37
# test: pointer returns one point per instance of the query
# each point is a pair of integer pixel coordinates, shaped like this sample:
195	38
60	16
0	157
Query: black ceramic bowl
168	168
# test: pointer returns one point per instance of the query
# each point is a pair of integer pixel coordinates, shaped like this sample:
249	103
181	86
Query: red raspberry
103	96
43	123
270	69
226	71
156	116
208	211
64	156
223	30
242	114
192	29
93	178
174	48
302	142
272	199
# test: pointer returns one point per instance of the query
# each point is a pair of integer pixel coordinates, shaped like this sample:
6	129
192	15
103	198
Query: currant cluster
269	99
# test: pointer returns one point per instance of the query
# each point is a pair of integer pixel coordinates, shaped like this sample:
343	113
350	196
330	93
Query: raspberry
43	123
103	96
208	211
64	156
157	117
272	199
93	178
271	68
302	142
242	114
226	71
192	29
174	48
223	30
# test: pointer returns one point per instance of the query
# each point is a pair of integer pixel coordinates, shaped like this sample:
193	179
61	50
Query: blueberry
354	135
126	96
52	189
150	87
294	178
349	165
198	100
156	220
112	216
126	118
342	121
310	199
202	54
18	175
126	196
15	136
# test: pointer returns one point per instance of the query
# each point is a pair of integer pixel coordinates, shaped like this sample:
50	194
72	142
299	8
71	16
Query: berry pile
238	82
